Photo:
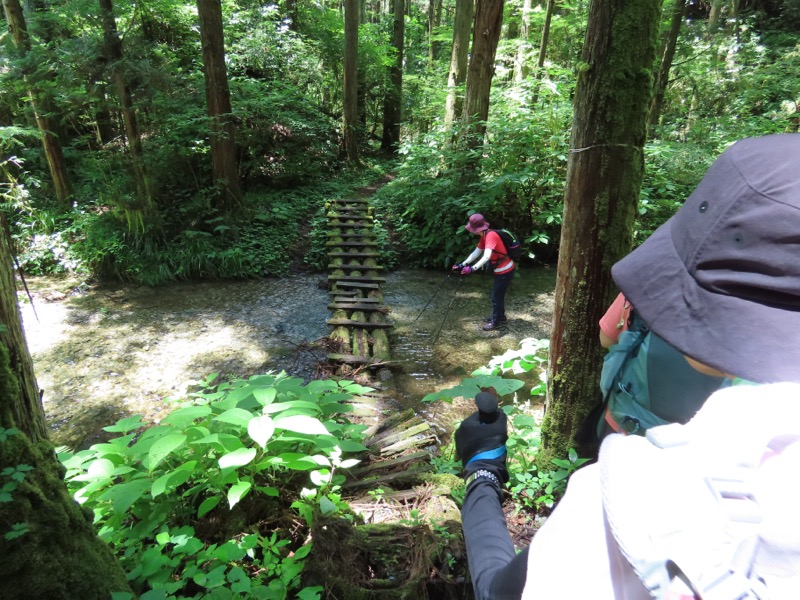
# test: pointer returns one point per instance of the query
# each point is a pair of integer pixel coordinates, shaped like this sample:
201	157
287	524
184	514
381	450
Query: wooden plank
353	255
397	461
350	267
349	217
403	477
346	293
408	443
353	200
360	324
357	284
351	244
363	226
355	306
350	235
360	300
363	278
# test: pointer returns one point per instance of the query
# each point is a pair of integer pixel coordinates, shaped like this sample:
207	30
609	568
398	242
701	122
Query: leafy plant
192	505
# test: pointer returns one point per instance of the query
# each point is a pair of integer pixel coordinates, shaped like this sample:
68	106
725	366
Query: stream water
105	352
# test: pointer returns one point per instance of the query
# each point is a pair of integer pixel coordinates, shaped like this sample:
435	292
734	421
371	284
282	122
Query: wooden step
364	278
359	300
356	284
351	244
350	267
358	324
357	306
358	360
353	255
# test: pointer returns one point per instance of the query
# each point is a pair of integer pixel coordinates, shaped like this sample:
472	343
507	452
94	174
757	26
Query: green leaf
163	538
260	429
326	506
207	506
265	396
301	424
123	495
310	593
320	477
237	458
352	446
184	417
163	448
235	416
237	492
125	425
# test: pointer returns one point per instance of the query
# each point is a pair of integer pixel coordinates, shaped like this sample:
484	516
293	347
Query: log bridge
359	317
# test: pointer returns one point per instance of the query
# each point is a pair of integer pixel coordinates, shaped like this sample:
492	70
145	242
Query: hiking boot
491	325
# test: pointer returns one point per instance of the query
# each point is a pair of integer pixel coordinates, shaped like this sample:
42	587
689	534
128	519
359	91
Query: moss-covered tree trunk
458	61
49	550
604	176
667	54
392	102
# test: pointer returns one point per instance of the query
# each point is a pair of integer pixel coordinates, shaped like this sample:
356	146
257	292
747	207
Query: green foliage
10	479
532	487
193	506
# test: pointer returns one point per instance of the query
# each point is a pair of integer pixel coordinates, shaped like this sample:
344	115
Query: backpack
645	382
510	241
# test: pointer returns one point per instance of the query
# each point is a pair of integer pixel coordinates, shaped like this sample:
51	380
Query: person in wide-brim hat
701	510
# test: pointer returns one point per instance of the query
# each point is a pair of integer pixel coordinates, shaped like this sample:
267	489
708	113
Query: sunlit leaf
237	492
321	477
260	429
301	424
163	447
237	458
235	416
265	396
184	417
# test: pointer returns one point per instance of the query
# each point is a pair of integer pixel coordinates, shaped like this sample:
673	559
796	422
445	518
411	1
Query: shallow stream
105	352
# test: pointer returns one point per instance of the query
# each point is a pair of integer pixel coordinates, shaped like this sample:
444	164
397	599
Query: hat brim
483	227
739	337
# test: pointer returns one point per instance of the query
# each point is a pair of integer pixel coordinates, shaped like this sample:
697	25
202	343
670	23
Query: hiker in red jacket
492	250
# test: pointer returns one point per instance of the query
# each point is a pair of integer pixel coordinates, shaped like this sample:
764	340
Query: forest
152	142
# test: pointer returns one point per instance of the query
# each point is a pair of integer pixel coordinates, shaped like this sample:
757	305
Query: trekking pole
434	295
446	312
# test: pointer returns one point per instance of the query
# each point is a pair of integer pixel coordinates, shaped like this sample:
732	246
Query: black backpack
510	241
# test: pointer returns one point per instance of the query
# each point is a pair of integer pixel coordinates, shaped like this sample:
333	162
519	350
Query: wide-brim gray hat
720	280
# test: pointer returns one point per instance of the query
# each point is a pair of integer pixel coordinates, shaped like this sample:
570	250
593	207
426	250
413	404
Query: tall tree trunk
224	162
350	120
114	53
668	53
604	176
521	69
393	101
485	36
42	107
58	554
548	17
714	14
458	61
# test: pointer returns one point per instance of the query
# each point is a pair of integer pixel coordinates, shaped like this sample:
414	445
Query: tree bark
59	555
485	36
458	61
548	17
604	176
114	52
40	103
350	120
224	162
392	103
668	53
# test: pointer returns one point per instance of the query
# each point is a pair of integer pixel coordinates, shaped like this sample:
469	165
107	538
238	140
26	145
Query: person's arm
497	572
614	321
487	254
475	254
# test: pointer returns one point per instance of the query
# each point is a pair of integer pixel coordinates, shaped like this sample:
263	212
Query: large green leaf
123	495
260	429
237	458
265	396
237	492
163	447
235	416
301	424
184	417
207	505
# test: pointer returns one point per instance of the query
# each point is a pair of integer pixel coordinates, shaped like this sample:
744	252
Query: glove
457	267
481	439
467	270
